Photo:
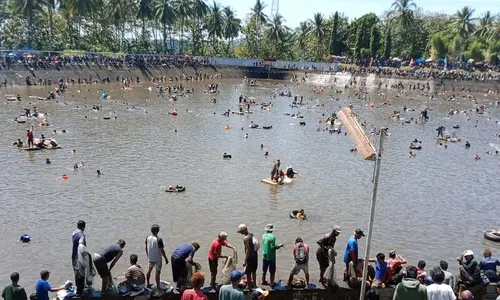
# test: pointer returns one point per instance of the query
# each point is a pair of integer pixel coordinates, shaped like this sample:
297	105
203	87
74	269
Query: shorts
156	264
322	258
271	264
251	265
376	283
302	267
101	266
213	264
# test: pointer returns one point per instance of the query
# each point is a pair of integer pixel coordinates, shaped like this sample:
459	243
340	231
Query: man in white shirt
154	252
438	290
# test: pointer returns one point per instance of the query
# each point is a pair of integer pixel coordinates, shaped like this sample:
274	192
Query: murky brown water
431	207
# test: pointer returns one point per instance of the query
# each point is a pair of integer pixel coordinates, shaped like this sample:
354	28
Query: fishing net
229	266
330	271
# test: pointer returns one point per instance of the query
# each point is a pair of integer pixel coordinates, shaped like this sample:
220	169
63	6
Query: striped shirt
135	275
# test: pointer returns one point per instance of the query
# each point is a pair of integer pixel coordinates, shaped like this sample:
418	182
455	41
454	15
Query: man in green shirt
269	254
14	291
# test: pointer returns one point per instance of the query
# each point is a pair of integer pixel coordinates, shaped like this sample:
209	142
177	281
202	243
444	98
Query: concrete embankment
317	294
17	76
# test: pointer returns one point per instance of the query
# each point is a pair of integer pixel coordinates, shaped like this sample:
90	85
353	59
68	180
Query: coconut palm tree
29	9
51	6
80	9
182	10
485	25
199	10
403	10
214	22
301	34
463	22
164	12
118	12
318	32
257	13
276	32
232	26
494	32
144	12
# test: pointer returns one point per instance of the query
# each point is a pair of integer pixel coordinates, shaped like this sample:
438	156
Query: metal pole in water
383	132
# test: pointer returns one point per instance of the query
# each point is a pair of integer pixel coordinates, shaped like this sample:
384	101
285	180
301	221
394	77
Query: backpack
301	254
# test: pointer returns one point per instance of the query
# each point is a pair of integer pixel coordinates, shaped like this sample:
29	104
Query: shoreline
17	75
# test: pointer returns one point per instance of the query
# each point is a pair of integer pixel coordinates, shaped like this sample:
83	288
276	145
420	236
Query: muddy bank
18	74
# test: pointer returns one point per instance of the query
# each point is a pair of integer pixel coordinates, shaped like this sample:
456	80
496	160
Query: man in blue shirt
351	251
182	256
76	237
43	288
381	272
489	266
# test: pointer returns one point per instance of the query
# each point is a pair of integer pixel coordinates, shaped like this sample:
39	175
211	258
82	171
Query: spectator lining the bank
135	278
381	271
421	274
438	290
489	266
14	291
198	280
410	287
43	288
449	278
395	266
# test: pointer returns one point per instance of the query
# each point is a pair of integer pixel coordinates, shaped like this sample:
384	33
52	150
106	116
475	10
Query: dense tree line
200	28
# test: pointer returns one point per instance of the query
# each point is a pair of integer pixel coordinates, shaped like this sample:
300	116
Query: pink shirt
193	295
306	247
216	249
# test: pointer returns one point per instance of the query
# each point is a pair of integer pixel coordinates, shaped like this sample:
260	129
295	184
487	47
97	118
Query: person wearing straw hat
269	248
215	253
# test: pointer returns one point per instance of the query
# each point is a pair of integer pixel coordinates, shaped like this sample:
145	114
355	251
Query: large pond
431	207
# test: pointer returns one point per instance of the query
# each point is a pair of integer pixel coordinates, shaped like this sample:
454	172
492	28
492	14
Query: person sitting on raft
300	214
173	189
18	143
290	172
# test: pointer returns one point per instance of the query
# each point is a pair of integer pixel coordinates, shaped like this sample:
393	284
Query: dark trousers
79	280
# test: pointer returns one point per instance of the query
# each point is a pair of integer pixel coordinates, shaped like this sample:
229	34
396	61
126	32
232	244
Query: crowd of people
35	60
411	282
51	60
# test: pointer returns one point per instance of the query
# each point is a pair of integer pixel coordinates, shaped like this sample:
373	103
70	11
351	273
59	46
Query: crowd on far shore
411	282
59	60
37	60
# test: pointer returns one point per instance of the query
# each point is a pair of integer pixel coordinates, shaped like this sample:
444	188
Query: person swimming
301	215
99	173
47	161
467	144
18	143
290	173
